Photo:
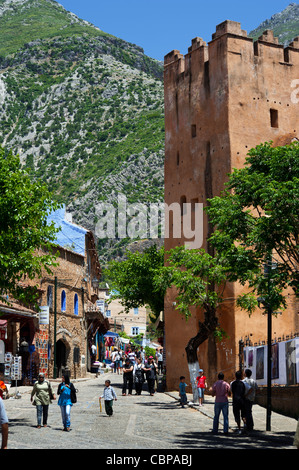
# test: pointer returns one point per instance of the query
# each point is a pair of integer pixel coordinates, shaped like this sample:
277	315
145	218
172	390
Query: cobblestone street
139	422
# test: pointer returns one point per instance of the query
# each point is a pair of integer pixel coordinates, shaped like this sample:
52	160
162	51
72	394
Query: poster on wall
290	357
275	361
250	358
284	362
44	315
260	363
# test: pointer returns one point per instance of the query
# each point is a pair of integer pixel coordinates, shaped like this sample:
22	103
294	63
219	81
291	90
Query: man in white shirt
132	356
114	355
251	388
159	359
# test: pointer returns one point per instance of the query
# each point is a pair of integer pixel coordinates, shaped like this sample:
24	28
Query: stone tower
221	100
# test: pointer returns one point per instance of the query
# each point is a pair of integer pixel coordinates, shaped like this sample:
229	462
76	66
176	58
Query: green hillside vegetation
84	109
285	25
85	113
38	20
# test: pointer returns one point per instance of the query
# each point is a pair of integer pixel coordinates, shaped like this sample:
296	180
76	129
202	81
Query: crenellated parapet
266	47
295	43
229	27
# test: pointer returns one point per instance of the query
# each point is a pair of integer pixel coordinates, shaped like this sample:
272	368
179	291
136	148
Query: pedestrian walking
67	396
221	392
93	353
151	372
138	374
3	423
182	391
238	390
249	398
43	396
118	362
109	395
201	382
159	357
132	355
127	377
114	355
142	354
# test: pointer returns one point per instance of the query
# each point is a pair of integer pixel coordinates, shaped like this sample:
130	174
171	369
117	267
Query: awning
110	334
125	340
18	313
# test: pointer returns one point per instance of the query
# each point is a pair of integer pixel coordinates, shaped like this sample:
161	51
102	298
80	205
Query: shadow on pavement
256	440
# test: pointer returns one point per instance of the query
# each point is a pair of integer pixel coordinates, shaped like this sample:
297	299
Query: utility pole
268	272
55	326
269	365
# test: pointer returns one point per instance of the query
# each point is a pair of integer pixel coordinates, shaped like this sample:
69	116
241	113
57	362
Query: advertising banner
284	362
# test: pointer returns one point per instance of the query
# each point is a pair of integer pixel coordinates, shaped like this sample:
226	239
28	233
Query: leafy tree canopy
133	280
257	218
24	207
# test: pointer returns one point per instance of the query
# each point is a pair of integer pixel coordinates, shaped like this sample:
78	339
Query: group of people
42	395
118	358
243	395
137	368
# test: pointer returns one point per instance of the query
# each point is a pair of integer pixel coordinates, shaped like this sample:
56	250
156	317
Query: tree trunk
206	329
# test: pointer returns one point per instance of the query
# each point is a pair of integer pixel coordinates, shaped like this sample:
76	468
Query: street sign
44	315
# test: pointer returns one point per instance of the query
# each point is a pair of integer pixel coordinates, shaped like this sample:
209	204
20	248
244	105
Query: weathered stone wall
222	99
70	330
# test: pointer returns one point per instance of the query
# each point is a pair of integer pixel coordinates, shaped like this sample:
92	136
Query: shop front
19	360
97	327
112	341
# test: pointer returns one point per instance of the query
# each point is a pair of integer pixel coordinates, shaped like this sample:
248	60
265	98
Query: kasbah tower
221	100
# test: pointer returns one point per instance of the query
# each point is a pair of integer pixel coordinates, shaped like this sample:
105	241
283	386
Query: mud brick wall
284	400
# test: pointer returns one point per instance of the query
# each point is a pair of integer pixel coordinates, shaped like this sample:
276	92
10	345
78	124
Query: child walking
108	395
183	395
201	386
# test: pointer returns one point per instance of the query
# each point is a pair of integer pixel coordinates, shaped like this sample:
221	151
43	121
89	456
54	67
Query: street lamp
268	267
95	283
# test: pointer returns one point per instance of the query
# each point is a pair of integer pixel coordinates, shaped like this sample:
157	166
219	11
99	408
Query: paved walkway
139	422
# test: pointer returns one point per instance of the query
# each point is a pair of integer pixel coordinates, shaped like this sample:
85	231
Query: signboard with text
44	315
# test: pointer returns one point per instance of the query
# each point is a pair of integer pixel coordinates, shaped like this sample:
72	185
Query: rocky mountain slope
84	109
284	24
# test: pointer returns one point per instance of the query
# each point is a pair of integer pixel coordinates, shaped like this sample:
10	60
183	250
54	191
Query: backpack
73	394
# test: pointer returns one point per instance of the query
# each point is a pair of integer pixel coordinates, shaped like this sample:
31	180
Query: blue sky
159	26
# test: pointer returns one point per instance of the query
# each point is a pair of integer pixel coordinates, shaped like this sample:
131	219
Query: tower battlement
266	47
229	27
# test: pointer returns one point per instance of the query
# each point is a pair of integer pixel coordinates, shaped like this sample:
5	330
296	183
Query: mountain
285	25
85	109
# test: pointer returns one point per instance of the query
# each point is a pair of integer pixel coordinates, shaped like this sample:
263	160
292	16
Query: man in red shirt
221	390
201	385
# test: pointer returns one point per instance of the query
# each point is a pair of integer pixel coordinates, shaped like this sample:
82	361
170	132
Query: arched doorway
61	357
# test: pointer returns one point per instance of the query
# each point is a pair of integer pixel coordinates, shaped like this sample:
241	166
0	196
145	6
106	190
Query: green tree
24	207
133	280
256	219
199	280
